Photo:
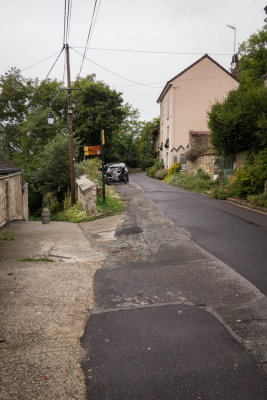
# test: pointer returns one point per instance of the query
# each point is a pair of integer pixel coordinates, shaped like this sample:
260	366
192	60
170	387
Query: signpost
92	150
97	151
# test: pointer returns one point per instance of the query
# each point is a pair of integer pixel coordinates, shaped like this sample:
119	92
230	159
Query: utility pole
72	183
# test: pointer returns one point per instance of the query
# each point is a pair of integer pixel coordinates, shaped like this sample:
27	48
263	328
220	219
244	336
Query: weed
8	236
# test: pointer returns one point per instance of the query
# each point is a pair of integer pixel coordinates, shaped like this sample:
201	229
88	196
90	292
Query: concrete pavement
44	305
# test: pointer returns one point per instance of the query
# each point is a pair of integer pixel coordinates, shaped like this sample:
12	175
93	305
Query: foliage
8	236
240	122
253	58
53	168
193	153
191	182
221	192
203	175
161	174
158	164
250	179
97	107
258	200
172	170
112	206
90	168
146	143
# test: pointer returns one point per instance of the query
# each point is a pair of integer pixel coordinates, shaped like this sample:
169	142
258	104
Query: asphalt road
169	318
235	235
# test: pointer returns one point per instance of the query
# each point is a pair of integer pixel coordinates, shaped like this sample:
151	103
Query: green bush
203	175
161	174
191	182
90	168
259	200
250	179
221	192
155	167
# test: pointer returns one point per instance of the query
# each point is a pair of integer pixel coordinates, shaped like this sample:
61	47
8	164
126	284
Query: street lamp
234	28
50	119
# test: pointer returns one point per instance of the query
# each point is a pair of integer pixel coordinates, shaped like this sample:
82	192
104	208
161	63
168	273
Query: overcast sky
32	30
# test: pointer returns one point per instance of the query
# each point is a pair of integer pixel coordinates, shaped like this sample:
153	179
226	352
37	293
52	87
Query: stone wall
13	198
87	194
205	162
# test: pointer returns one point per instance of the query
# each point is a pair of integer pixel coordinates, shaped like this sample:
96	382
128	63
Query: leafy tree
24	105
146	143
52	172
253	58
240	122
96	107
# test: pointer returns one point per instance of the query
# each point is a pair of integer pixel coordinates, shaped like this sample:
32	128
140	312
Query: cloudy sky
150	30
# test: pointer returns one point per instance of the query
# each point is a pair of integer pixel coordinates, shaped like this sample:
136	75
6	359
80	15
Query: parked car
110	167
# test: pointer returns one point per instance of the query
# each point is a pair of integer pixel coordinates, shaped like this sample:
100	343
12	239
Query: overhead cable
153	52
114	73
88	37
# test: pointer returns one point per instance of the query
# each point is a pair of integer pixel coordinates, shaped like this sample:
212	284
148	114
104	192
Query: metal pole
102	141
72	184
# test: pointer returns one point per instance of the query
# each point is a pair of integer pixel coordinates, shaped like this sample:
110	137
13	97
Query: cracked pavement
153	270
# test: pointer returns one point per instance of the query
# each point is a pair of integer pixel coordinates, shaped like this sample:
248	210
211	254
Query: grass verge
76	214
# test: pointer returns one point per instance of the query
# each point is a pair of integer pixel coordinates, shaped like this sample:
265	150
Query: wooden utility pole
72	183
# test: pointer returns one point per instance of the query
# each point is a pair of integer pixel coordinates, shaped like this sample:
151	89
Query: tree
146	143
52	172
96	107
24	105
253	58
240	122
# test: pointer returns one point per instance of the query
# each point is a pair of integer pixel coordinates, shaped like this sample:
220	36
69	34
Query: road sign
92	150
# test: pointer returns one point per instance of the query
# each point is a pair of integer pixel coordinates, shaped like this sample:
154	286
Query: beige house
184	103
13	193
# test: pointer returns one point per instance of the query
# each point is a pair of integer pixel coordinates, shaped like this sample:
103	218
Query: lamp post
50	121
234	28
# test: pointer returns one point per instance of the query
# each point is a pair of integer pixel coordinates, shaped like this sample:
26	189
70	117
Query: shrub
259	200
161	174
193	153
249	180
173	170
90	168
191	182
155	167
203	175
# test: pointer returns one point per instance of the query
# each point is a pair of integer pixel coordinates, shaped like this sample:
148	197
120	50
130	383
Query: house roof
169	83
6	167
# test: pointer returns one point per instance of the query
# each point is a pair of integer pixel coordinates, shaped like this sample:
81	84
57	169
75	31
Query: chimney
234	66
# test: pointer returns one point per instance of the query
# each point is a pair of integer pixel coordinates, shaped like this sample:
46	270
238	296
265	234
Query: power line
54	63
114	73
39	62
88	37
152	52
67	18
